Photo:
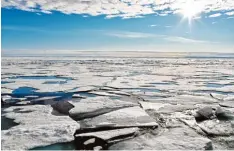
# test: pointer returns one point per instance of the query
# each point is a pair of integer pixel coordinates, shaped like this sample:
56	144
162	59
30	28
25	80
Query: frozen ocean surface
170	86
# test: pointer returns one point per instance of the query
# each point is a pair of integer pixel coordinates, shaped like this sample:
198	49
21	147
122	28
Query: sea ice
37	127
90	107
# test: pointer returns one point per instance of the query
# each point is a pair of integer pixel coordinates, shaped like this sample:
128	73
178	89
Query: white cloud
118	8
183	40
168	26
163	14
230	13
174	39
16	28
215	15
130	35
153	25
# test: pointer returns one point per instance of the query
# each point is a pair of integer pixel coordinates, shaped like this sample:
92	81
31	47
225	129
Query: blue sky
36	26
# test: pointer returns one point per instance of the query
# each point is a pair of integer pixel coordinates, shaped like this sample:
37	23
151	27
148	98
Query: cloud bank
119	8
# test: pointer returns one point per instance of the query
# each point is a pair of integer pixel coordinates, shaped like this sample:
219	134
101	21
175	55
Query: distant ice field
22	76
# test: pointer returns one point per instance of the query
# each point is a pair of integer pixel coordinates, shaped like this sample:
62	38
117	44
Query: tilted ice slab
152	106
101	93
38	127
110	134
189	99
182	138
217	128
90	107
126	117
166	108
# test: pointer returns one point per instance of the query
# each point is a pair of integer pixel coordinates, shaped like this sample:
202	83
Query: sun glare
190	10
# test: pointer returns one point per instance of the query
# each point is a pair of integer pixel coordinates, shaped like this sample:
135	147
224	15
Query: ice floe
96	106
126	117
37	127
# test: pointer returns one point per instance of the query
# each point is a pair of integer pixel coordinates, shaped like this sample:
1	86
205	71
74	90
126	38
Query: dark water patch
37	97
57	146
26	91
23	91
7	123
5	82
55	82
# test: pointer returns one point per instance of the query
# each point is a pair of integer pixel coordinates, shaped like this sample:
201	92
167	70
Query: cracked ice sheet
194	87
38	84
38	127
137	81
185	72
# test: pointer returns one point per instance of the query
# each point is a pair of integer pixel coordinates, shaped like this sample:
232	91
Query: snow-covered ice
142	91
37	127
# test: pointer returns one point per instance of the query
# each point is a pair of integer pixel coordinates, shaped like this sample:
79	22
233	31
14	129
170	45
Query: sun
190	10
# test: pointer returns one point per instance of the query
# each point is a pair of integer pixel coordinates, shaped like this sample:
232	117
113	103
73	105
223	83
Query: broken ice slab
111	134
189	100
102	93
182	138
37	127
103	139
217	128
90	107
126	117
229	104
62	107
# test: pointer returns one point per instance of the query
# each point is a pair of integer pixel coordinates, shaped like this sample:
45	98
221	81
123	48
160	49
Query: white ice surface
131	116
106	135
90	107
38	127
